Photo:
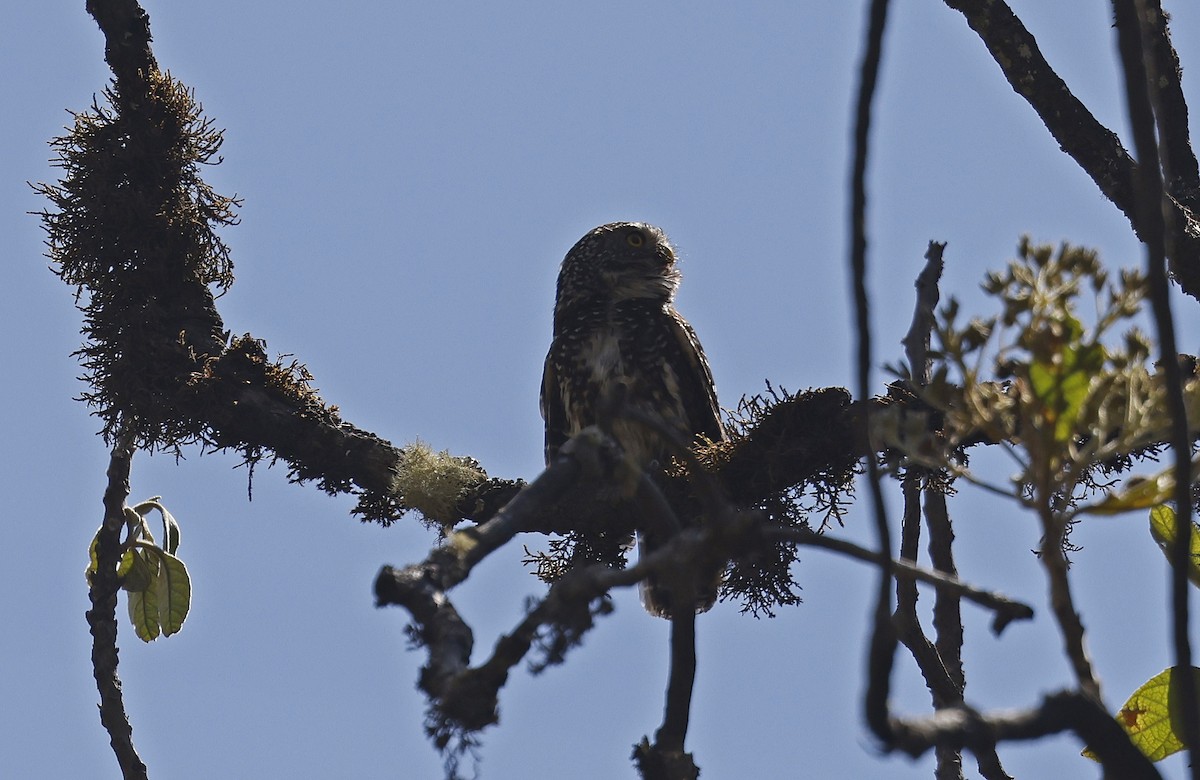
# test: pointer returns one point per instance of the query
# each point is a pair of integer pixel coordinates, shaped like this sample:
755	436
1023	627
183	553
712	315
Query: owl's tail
697	587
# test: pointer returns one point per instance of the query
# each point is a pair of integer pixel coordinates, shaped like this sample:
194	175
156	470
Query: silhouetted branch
666	758
943	689
126	28
916	340
102	617
964	727
883	638
1006	609
1139	37
940	661
1096	149
1181	173
1062	603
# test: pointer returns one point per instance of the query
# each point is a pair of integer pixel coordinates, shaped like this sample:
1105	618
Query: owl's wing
699	393
553	410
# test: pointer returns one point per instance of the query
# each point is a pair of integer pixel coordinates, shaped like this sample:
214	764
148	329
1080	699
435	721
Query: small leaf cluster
1063	396
156	581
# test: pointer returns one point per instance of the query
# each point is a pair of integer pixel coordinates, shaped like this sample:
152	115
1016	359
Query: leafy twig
102	618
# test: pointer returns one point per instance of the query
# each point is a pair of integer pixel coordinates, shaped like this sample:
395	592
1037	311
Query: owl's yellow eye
635	240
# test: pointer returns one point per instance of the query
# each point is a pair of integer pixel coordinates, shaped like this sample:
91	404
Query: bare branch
1096	149
1006	609
883	639
666	758
1181	171
1062	603
1138	41
916	341
964	727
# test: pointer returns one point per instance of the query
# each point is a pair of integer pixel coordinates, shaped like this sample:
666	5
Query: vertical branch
666	758
1062	603
102	617
883	637
670	736
947	614
916	341
940	662
1144	106
947	607
941	686
1181	172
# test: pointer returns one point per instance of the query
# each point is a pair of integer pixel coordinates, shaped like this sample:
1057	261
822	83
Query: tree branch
1096	149
1137	39
1006	610
102	617
666	758
963	727
881	655
1062	603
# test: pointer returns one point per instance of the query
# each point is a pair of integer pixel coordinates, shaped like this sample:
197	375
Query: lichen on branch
133	228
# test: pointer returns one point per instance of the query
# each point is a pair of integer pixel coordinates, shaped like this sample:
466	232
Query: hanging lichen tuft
132	226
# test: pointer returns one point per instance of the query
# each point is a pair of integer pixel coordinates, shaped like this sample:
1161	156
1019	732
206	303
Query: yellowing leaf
1137	493
93	561
136	572
1151	717
1164	530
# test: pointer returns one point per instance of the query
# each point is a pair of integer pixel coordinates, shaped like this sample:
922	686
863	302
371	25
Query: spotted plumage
615	323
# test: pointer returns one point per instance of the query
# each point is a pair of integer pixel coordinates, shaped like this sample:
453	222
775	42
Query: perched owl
615	322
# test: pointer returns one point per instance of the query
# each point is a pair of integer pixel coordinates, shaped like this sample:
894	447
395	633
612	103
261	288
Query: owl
615	323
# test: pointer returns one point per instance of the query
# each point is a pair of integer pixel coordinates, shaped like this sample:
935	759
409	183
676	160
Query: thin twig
1062	603
943	689
916	341
1145	106
1006	610
947	615
881	655
102	617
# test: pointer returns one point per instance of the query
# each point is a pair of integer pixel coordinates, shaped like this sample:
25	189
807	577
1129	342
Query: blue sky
412	175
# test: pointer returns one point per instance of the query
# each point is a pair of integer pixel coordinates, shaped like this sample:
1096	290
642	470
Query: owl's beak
665	255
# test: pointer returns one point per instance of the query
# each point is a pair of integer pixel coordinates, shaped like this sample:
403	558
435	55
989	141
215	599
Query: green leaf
1164	530
174	591
143	613
1061	383
170	524
1151	717
170	531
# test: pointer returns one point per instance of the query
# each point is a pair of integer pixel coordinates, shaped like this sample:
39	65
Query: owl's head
617	262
